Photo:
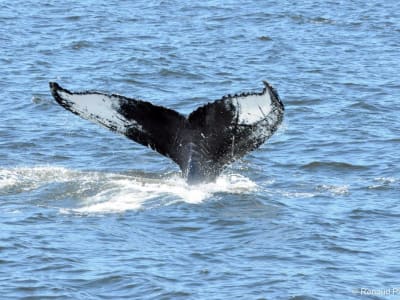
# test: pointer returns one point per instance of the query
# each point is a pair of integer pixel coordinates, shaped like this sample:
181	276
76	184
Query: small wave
265	38
365	106
165	72
24	178
334	189
290	194
385	180
332	165
78	45
41	101
309	192
383	183
372	213
36	99
301	19
322	20
297	194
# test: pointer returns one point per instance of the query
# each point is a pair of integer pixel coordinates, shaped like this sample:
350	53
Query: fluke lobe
202	143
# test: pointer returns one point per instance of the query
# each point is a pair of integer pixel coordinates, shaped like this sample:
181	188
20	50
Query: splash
135	193
98	192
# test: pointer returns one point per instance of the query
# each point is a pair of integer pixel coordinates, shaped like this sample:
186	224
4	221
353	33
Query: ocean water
312	214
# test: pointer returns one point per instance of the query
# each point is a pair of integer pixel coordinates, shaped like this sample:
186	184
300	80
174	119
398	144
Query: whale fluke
203	143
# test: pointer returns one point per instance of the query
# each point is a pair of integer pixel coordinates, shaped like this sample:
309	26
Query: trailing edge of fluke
202	143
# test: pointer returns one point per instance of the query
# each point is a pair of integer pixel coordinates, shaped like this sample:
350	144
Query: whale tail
203	143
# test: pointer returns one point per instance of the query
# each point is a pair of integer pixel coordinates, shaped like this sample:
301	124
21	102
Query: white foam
7	179
297	194
98	192
385	180
382	182
335	189
27	178
132	194
124	196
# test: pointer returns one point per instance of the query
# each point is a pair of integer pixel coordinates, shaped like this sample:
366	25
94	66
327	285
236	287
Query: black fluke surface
203	143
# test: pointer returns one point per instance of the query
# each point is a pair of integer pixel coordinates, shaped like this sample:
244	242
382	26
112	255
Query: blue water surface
312	214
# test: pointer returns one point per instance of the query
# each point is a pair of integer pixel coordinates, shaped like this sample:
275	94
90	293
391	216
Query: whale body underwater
202	143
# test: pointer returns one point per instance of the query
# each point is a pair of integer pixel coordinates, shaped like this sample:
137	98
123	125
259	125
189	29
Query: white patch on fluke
253	108
99	108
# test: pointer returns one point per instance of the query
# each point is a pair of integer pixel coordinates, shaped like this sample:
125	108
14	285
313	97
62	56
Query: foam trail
132	194
27	178
99	192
